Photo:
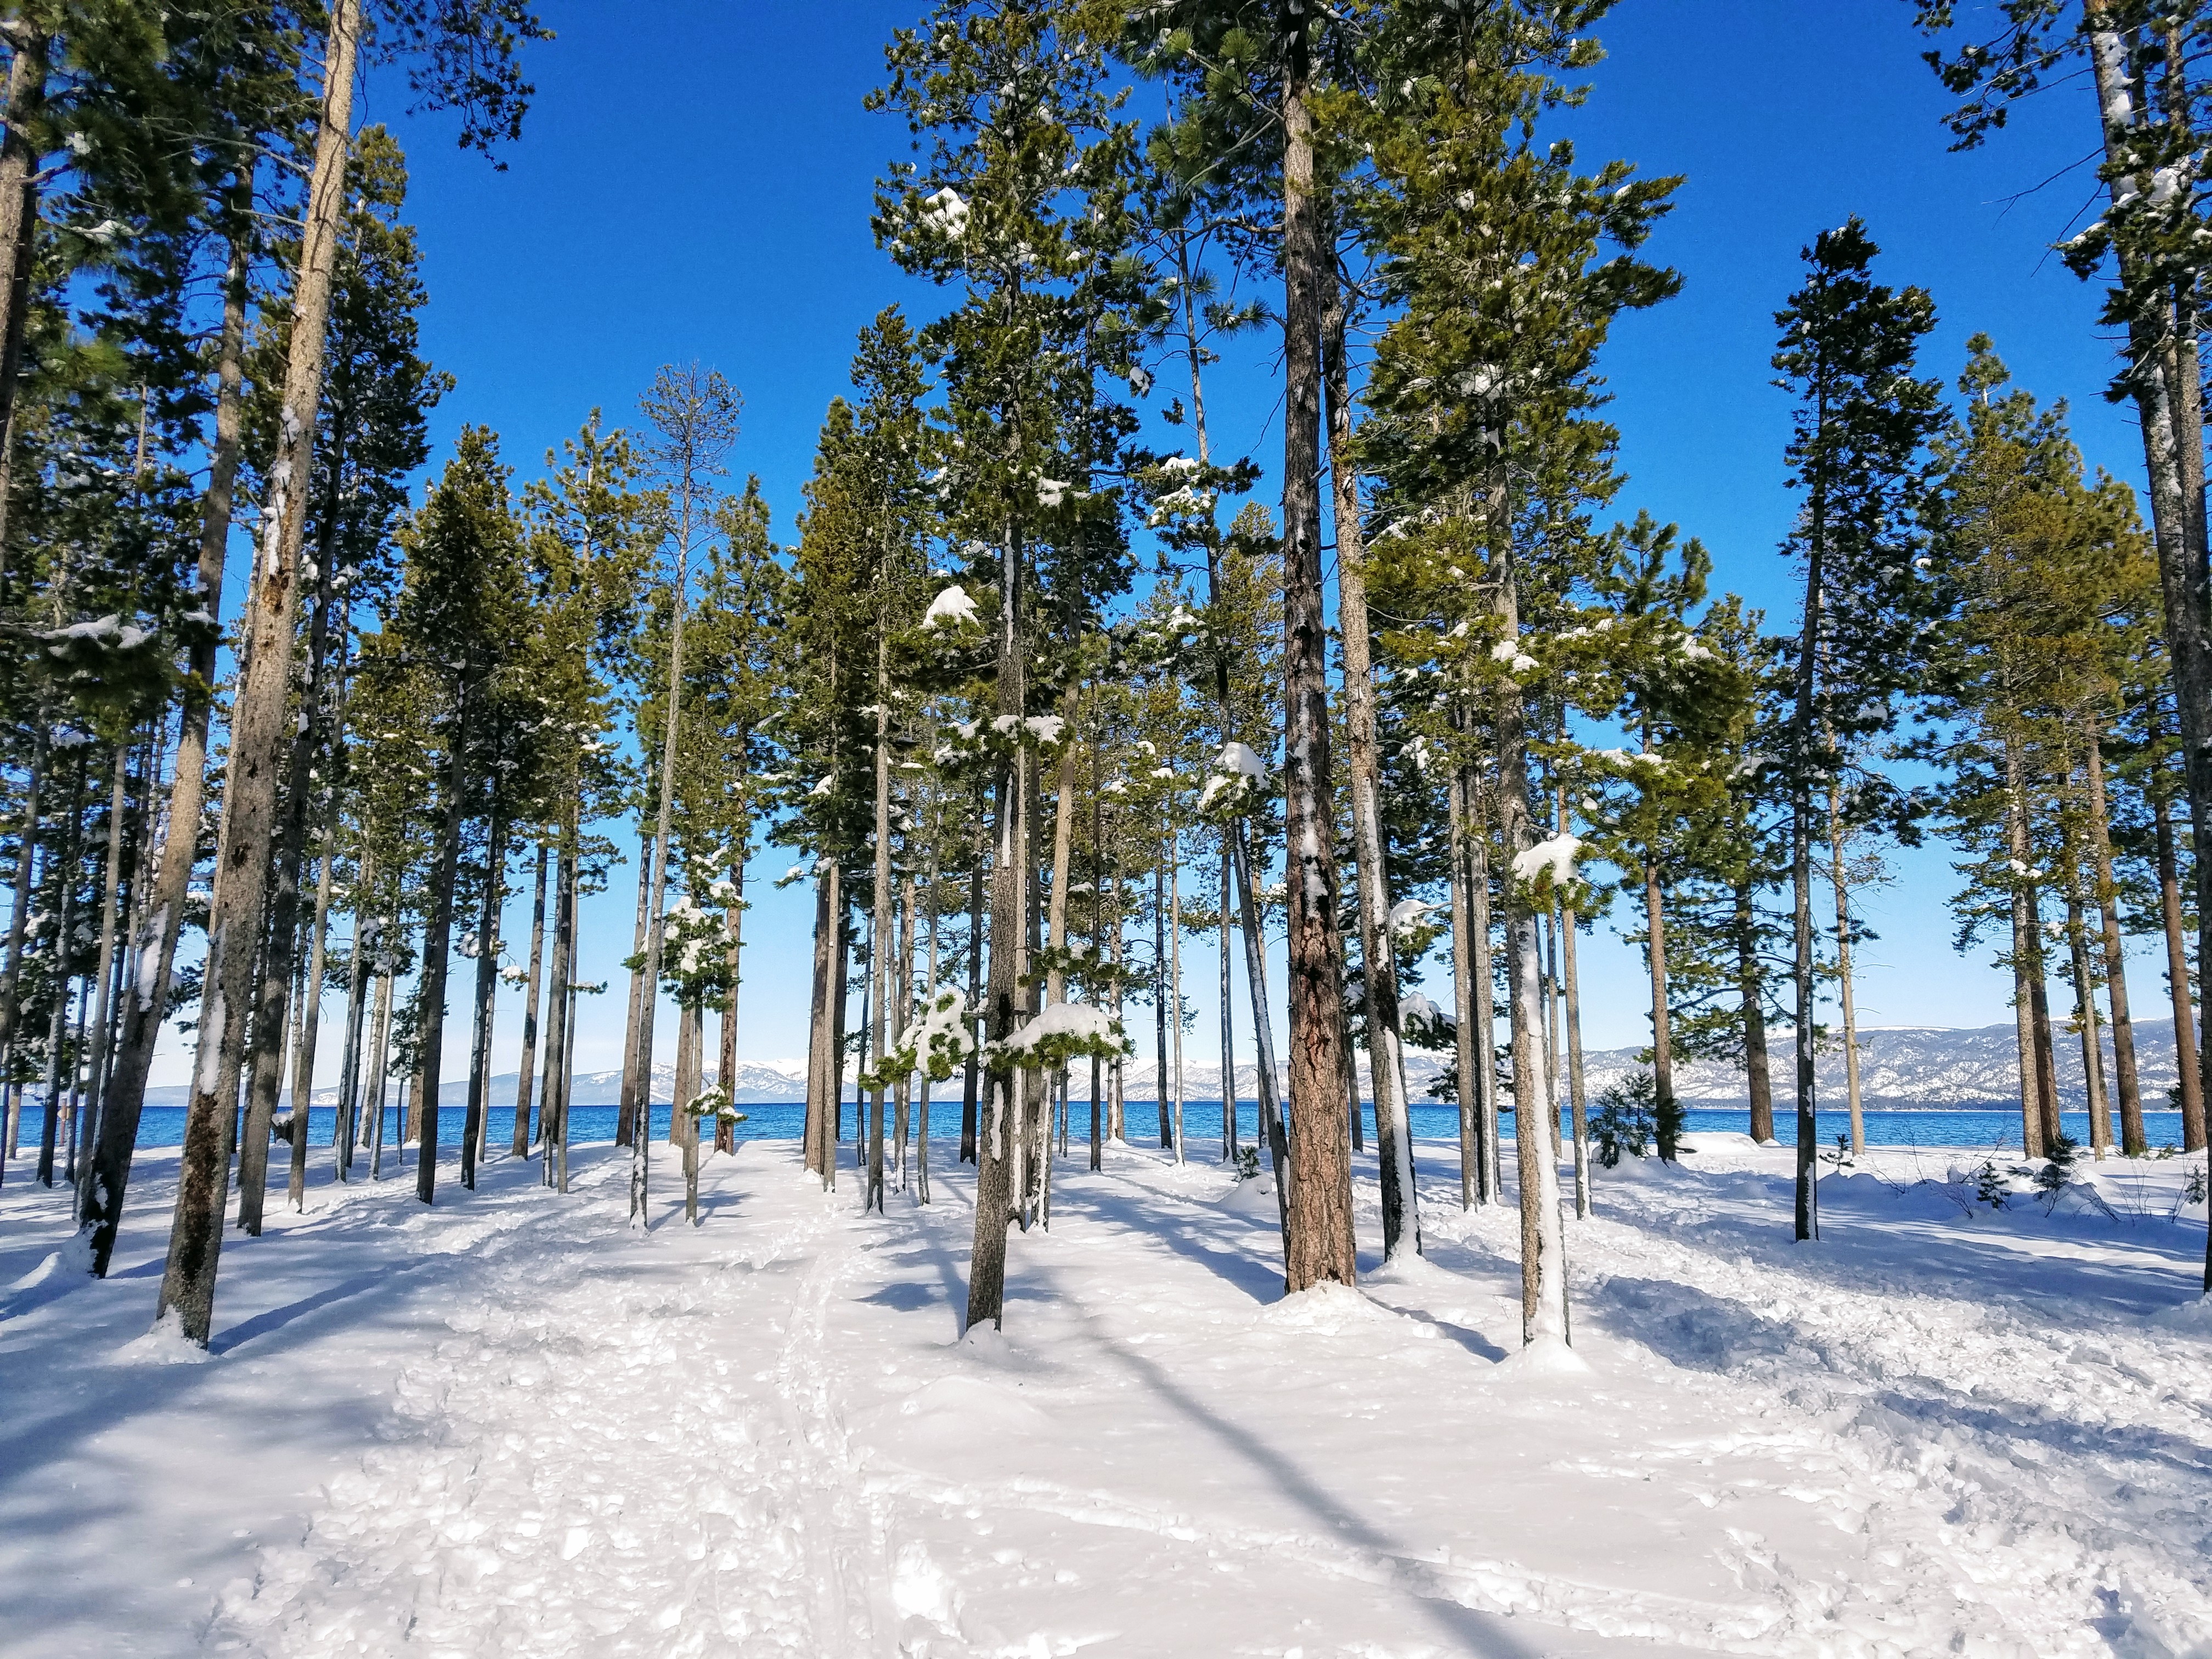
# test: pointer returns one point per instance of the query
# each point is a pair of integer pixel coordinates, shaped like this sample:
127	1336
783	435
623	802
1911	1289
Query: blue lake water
165	1125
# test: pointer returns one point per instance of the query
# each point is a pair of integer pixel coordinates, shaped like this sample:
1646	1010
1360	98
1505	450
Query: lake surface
165	1125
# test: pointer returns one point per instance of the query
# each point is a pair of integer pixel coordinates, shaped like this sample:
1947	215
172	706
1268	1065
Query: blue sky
695	179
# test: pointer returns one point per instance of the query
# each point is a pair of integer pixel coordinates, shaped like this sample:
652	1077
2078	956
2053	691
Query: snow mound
73	1257
1547	1355
165	1344
1252	1197
1326	1309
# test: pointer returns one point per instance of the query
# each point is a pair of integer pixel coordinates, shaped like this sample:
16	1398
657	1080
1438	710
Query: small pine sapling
2058	1168
1626	1119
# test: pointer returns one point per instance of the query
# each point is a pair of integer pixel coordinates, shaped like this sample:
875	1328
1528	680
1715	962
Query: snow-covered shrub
1991	1184
1248	1163
1626	1119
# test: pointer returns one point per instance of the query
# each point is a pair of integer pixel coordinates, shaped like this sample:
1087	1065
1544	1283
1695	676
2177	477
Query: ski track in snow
1929	1434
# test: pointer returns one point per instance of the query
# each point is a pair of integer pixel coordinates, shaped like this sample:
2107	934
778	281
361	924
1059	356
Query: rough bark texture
636	1079
1839	883
257	722
1475	1186
28	74
1749	981
1485	1018
821	1068
2027	958
997	1130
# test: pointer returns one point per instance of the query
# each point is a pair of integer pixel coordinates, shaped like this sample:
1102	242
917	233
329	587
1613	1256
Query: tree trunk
2190	1079
879	926
2047	1056
1486	1016
64	871
1318	1235
2085	1021
691	1045
902	999
379	1053
111	884
725	1070
1228	1016
561	1053
26	847
1475	1186
2125	1073
437	948
1662	1034
1393	1130
2027	954
821	1067
1846	984
1270	1124
155	945
257	728
19	221
266	1056
1749	991
636	1078
1543	1240
518	1142
348	1102
2169	416
1160	992
998	1129
970	1070
474	1137
1175	973
310	1004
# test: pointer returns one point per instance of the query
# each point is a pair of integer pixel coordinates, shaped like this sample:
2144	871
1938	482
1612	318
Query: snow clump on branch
951	609
1551	861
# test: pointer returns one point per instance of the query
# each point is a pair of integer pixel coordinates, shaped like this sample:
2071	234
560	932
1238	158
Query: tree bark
1318	1236
476	1122
880	926
821	1071
280	954
1662	1033
2026	953
2047	1056
1543	1240
2169	417
437	949
998	1129
636	1079
26	847
1228	1016
349	1107
2125	1072
969	1072
1486	1016
1160	992
518	1142
256	733
1839	880
28	74
1393	1131
2085	1020
2191	1080
1749	986
725	1069
1475	1186
111	884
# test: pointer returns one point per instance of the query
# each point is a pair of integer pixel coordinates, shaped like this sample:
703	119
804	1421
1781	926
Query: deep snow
510	1425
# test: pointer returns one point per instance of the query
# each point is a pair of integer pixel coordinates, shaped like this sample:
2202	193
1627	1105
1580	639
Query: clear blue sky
695	179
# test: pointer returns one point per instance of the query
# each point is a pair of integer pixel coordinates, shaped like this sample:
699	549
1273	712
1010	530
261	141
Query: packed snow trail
513	1425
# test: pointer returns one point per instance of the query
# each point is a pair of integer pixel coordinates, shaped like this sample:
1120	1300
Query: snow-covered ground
511	1426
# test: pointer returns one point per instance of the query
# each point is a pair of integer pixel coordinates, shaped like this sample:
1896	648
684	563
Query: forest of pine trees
1044	711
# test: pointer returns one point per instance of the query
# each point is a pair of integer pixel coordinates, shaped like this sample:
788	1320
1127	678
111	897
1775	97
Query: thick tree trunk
257	721
998	1128
1318	1237
28	74
2192	1080
2046	1053
2125	1073
518	1142
476	1124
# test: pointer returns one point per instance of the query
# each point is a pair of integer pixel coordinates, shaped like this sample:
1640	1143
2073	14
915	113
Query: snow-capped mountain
1901	1068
